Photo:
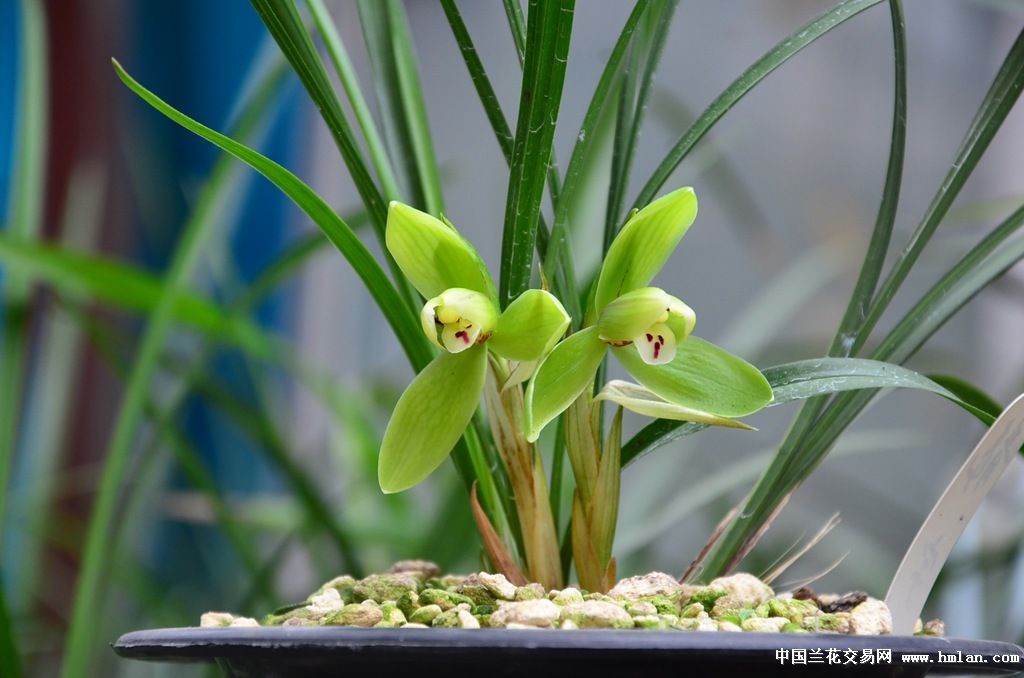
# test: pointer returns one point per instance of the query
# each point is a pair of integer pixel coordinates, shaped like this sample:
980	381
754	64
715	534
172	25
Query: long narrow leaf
561	271
998	102
549	28
285	25
350	82
645	54
410	96
406	328
774	58
87	604
25	204
843	343
810	379
972	274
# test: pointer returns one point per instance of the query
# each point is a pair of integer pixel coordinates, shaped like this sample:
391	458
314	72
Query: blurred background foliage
252	480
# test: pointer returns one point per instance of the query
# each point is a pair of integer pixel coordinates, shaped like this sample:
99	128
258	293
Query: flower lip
650	318
458	319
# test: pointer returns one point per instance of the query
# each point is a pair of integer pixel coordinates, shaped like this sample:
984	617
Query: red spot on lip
661	339
461	334
657	350
650	338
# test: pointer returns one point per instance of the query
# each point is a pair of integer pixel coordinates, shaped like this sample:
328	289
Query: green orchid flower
462	318
649	331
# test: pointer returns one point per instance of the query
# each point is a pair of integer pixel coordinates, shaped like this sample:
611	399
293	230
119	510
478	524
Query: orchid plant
680	377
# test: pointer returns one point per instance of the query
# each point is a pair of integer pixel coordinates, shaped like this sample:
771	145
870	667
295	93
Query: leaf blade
549	27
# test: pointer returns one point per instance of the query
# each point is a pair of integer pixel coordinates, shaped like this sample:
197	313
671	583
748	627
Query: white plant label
931	547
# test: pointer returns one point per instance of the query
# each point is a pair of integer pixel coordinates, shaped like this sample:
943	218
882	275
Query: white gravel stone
326	602
211	620
769	625
747	589
642	586
498	585
597	614
540	613
467	620
871	618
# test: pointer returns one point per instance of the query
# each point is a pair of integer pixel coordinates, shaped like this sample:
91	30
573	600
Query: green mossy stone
692	611
651	622
707	596
383	587
838	622
425	614
530	592
356	614
664	604
392	614
408	602
640	608
446	600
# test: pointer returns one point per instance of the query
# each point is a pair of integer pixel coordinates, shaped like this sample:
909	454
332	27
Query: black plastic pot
346	651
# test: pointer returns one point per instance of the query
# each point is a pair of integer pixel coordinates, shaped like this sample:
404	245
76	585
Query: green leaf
282	19
410	96
998	102
434	256
96	554
530	327
350	81
637	81
80	276
549	27
881	235
644	244
643	401
563	278
747	80
25	200
398	315
8	645
564	374
430	417
808	378
969	393
585	138
477	73
703	377
819	377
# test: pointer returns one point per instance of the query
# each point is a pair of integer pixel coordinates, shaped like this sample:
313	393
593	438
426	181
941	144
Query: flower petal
530	326
636	398
561	377
633	313
428	320
702	377
644	244
430	417
433	255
